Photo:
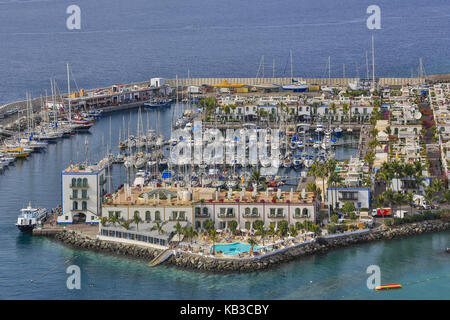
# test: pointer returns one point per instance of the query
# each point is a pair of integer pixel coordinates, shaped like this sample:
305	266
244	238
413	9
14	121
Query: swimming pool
234	248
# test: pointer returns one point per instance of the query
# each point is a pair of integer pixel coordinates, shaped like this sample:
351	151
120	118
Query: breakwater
211	264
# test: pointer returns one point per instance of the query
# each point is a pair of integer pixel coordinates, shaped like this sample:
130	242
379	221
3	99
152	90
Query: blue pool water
234	248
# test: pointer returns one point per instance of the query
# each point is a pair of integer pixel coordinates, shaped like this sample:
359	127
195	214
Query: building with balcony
195	206
337	197
82	190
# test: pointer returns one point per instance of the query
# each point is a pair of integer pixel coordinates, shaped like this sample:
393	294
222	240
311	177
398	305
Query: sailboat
263	85
295	85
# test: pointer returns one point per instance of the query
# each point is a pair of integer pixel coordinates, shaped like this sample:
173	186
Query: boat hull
26	228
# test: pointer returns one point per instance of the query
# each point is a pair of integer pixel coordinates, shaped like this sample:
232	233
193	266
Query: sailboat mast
273	69
373	62
292	71
68	93
263	66
367	66
329	70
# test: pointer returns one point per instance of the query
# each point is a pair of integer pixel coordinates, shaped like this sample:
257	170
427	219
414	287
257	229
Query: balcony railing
348	199
278	215
79	198
79	186
251	215
202	215
177	219
226	215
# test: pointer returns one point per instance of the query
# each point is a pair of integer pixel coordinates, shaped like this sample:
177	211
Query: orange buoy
388	286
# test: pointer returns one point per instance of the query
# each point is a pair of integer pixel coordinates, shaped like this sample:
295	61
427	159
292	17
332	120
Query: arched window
305	211
84	205
75	205
247	211
157	216
136	213
79	182
247	225
254	211
297	212
85	184
205	211
197	211
147	216
74	182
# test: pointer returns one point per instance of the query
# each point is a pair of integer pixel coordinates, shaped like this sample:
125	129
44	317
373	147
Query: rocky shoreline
195	262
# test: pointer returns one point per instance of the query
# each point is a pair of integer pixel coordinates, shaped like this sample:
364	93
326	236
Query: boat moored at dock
29	218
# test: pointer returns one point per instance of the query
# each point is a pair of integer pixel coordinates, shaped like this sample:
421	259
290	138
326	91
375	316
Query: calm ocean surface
125	41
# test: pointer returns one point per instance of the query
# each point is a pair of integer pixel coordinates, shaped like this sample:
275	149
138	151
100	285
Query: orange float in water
388	286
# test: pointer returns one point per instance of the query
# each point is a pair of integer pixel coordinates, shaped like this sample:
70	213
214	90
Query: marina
216	151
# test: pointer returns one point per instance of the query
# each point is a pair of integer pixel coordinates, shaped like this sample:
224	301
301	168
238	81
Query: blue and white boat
294	142
338	132
319	128
296	86
30	217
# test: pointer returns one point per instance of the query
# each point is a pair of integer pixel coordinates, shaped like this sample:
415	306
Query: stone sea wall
197	262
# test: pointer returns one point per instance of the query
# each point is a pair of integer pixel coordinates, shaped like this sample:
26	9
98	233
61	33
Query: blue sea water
125	41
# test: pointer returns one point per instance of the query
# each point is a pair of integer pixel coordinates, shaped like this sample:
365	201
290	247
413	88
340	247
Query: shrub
331	228
388	222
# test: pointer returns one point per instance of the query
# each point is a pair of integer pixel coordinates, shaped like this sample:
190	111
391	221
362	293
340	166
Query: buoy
388	286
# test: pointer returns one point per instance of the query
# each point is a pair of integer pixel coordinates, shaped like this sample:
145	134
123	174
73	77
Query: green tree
283	228
252	242
126	224
293	231
190	233
214	238
334	218
103	221
348	208
233	226
178	230
208	224
158	226
136	220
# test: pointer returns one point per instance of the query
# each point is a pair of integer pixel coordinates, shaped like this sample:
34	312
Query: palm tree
318	171
103	221
293	231
113	219
178	230
409	198
158	226
316	229
213	237
136	220
126	224
272	232
252	244
261	232
257	178
190	233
